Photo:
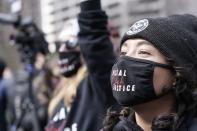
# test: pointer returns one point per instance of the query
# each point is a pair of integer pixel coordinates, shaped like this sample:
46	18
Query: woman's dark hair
165	122
185	97
186	105
113	117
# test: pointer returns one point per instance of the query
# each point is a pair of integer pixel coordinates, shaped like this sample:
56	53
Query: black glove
90	5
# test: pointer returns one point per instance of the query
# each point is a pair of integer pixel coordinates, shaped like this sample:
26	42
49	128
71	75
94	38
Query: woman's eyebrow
142	43
124	44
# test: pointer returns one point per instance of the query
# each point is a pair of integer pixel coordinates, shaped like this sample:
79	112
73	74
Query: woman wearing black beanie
155	77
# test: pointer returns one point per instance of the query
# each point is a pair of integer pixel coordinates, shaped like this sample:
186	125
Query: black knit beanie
175	36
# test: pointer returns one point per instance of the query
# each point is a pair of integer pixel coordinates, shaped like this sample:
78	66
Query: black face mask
69	63
132	80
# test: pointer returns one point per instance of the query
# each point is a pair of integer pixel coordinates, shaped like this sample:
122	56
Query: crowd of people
147	82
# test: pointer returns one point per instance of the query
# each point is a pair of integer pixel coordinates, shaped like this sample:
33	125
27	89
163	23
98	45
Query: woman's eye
123	53
144	52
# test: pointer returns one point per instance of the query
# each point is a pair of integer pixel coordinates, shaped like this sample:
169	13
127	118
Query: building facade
55	13
121	12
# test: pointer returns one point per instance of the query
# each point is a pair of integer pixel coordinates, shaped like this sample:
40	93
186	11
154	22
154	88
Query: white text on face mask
126	88
119	73
119	85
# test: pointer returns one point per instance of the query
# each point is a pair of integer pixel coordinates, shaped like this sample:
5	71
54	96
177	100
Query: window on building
144	12
52	12
113	5
51	3
78	4
65	8
65	18
53	22
147	1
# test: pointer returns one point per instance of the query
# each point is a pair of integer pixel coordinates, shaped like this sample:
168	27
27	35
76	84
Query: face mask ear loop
169	67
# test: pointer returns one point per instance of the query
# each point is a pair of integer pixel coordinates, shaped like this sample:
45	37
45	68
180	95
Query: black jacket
3	105
129	124
94	93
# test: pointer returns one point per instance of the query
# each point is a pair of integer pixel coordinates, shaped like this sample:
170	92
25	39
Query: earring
174	83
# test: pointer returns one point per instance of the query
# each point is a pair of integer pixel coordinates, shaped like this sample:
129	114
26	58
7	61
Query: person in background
114	37
44	84
25	111
92	94
73	70
23	93
155	77
3	100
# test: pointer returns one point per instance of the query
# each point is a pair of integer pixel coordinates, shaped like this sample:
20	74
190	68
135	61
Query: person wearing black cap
155	77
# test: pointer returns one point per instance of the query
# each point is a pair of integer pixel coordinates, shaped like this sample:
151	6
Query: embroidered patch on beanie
138	27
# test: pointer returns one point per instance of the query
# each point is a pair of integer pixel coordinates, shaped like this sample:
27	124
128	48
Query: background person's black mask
132	80
69	63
